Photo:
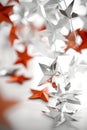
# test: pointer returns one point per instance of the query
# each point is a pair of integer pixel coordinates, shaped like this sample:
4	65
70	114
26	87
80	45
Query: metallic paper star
68	97
49	71
65	117
52	32
53	112
59	117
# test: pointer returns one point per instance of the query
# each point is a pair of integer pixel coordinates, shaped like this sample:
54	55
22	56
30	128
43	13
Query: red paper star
71	43
23	57
19	79
4	13
43	94
12	35
5	105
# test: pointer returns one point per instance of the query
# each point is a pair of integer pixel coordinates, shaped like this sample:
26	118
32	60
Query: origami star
68	97
19	79
43	94
52	32
23	57
65	117
4	13
52	112
4	106
59	116
49	71
71	43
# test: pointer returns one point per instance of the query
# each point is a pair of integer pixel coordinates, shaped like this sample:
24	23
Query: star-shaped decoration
32	7
71	43
42	94
4	13
23	57
18	78
63	117
59	116
68	97
13	35
49	71
52	32
52	112
4	106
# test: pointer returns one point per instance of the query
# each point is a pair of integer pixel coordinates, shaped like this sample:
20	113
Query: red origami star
71	43
43	94
4	13
23	57
19	79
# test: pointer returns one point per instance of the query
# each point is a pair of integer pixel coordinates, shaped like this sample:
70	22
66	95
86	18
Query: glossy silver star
59	116
53	32
49	71
69	97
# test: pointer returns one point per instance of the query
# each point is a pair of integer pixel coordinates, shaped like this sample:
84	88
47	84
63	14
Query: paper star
49	71
4	13
68	97
4	106
33	7
23	57
43	94
59	116
65	117
52	112
52	32
71	43
19	79
12	35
